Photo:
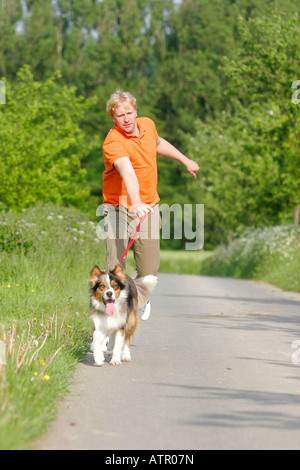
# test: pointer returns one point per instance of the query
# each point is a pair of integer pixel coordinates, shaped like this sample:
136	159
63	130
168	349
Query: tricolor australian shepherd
115	300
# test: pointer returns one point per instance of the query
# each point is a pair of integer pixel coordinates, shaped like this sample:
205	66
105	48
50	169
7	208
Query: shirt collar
130	136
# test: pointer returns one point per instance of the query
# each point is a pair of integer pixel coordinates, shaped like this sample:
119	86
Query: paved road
212	369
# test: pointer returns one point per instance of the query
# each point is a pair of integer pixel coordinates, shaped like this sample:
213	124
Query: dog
115	300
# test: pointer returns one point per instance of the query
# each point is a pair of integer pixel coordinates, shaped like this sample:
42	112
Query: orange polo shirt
142	153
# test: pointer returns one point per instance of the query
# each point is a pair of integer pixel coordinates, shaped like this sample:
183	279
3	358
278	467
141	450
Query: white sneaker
145	311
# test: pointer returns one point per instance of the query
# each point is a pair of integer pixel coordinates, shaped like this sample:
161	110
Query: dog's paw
98	363
126	357
99	358
115	362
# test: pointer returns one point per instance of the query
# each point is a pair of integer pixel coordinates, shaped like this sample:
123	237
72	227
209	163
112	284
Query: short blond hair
120	98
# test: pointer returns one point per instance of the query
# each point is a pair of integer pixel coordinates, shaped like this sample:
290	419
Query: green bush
271	254
42	143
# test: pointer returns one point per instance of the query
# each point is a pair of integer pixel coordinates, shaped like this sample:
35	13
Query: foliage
270	254
249	154
40	358
44	241
216	77
183	262
170	54
264	73
42	143
46	255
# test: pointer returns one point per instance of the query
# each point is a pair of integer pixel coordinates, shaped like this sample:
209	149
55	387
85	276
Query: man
130	184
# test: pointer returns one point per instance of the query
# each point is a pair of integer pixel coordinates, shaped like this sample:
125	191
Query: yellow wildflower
46	377
42	362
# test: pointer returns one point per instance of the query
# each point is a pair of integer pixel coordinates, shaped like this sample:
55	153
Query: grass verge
270	254
46	254
183	262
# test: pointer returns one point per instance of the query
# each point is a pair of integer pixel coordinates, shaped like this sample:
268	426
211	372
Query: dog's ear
119	272
95	275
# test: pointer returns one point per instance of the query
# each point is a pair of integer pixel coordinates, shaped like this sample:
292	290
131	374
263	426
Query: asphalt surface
216	366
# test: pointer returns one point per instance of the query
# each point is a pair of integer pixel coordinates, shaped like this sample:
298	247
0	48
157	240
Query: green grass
175	261
188	262
270	254
46	254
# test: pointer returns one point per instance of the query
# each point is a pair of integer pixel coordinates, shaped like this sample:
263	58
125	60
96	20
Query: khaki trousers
120	226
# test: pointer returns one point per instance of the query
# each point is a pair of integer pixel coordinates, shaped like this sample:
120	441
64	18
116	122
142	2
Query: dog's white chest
107	323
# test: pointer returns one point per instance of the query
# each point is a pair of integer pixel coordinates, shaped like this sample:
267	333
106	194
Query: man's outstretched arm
164	148
127	173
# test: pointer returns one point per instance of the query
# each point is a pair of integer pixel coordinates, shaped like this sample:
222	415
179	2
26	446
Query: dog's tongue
110	307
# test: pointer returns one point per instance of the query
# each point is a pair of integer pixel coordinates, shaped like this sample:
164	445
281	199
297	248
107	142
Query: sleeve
112	150
155	131
151	125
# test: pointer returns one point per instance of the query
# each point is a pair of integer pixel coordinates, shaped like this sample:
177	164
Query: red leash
132	239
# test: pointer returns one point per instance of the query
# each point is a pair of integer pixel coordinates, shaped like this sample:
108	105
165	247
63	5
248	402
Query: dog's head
106	288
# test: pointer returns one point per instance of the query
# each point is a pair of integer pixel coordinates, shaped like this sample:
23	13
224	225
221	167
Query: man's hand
192	167
141	209
168	150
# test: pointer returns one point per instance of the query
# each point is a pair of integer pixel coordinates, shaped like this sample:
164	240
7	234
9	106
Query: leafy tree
265	71
249	156
10	14
168	54
42	143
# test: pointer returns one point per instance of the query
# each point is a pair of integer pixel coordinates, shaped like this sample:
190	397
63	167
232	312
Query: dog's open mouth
109	306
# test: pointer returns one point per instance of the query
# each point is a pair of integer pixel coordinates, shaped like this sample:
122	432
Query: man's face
124	118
